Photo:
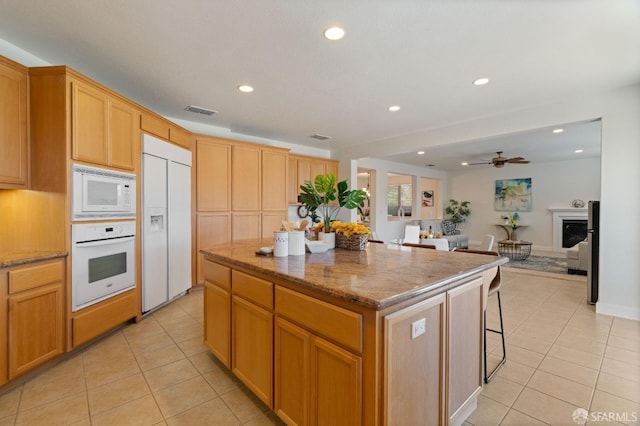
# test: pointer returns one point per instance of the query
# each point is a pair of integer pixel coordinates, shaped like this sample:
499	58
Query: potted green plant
458	211
323	193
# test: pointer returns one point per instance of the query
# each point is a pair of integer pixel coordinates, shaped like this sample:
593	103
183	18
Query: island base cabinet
317	382
252	347
217	322
415	364
464	349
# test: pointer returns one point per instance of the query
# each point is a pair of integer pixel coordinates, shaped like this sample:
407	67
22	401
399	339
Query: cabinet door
13	127
213	180
35	327
274	180
89	122
464	347
217	322
252	348
318	168
293	185
245	226
332	167
272	222
304	171
245	178
336	385
123	126
292	356
414	364
212	229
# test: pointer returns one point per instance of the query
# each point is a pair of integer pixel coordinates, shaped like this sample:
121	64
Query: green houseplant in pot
328	196
458	211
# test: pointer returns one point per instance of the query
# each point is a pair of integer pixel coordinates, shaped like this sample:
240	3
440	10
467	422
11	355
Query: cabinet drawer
252	288
217	274
34	276
331	321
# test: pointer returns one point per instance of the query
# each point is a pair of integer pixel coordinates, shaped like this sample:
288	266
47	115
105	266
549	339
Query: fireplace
573	231
559	217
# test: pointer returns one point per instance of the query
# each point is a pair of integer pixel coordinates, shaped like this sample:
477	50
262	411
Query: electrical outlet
418	328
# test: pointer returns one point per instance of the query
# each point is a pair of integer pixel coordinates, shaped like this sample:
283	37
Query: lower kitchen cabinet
316	382
252	347
35	323
217	310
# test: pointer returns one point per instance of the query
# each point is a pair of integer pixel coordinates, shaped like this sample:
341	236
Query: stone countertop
378	277
22	257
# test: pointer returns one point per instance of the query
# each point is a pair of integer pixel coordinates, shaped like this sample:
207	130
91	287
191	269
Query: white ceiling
421	55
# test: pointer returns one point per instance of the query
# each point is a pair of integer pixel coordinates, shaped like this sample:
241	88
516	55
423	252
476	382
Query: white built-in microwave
103	194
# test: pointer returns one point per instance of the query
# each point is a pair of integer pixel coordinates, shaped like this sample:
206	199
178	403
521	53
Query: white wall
553	184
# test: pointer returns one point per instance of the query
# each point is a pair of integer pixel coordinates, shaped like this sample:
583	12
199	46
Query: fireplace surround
558	216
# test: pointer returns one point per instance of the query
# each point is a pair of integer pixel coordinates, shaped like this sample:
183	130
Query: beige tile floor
561	356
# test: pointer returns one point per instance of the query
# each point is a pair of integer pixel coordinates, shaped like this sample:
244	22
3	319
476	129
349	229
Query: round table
514	250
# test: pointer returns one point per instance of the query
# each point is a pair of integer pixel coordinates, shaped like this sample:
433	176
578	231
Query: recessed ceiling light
481	81
334	33
578	151
558	130
465	163
420	152
394	108
245	88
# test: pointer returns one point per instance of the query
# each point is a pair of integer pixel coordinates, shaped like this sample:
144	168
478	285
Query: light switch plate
418	328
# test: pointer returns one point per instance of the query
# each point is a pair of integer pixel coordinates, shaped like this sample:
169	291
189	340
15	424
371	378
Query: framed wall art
513	195
427	198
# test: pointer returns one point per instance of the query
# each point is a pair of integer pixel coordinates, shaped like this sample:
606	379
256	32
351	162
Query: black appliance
593	237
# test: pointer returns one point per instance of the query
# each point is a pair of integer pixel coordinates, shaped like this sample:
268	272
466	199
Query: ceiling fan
500	161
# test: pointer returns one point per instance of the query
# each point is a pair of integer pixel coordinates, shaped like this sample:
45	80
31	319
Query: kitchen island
388	335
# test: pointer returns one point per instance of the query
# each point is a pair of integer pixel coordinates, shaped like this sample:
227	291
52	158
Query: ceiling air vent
200	110
320	137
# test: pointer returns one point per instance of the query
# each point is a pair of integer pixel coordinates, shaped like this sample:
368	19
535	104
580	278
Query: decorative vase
329	237
514	236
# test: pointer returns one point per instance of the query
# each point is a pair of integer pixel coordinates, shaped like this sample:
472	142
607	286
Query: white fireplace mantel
560	214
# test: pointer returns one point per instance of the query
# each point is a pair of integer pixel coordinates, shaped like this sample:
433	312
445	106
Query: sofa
455	237
578	259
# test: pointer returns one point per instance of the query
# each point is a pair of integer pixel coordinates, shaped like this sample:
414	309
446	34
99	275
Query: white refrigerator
166	229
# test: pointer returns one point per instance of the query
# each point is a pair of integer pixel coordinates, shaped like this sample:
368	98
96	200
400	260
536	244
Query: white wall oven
103	194
103	259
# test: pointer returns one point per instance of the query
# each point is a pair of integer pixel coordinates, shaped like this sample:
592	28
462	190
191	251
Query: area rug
556	265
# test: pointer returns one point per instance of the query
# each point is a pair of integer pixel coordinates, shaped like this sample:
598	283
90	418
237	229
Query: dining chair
440	243
487	242
412	234
492	288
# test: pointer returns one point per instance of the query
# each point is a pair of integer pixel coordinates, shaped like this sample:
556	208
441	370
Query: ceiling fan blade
476	164
510	160
519	162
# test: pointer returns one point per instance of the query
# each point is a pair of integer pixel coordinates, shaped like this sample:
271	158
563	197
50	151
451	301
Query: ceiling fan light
334	33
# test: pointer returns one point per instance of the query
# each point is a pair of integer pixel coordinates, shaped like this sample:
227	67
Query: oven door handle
118	240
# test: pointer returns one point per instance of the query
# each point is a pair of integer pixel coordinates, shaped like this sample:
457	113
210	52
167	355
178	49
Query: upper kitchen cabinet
165	129
213	174
13	125
75	118
274	179
302	168
103	127
245	177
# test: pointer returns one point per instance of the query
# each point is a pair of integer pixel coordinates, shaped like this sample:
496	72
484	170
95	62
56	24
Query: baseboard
618	311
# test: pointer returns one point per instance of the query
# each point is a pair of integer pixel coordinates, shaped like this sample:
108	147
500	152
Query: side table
514	250
509	230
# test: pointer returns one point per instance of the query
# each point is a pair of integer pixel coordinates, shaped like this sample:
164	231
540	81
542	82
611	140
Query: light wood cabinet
274	180
213	176
252	347
245	225
245	178
211	229
415	365
217	311
35	320
303	168
158	126
103	128
464	349
13	125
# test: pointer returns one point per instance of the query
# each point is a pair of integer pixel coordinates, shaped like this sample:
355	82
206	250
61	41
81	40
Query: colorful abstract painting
513	195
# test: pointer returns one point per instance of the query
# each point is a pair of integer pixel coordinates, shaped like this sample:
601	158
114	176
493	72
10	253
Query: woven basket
353	242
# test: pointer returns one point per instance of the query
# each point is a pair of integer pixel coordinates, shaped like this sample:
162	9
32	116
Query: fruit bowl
317	246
